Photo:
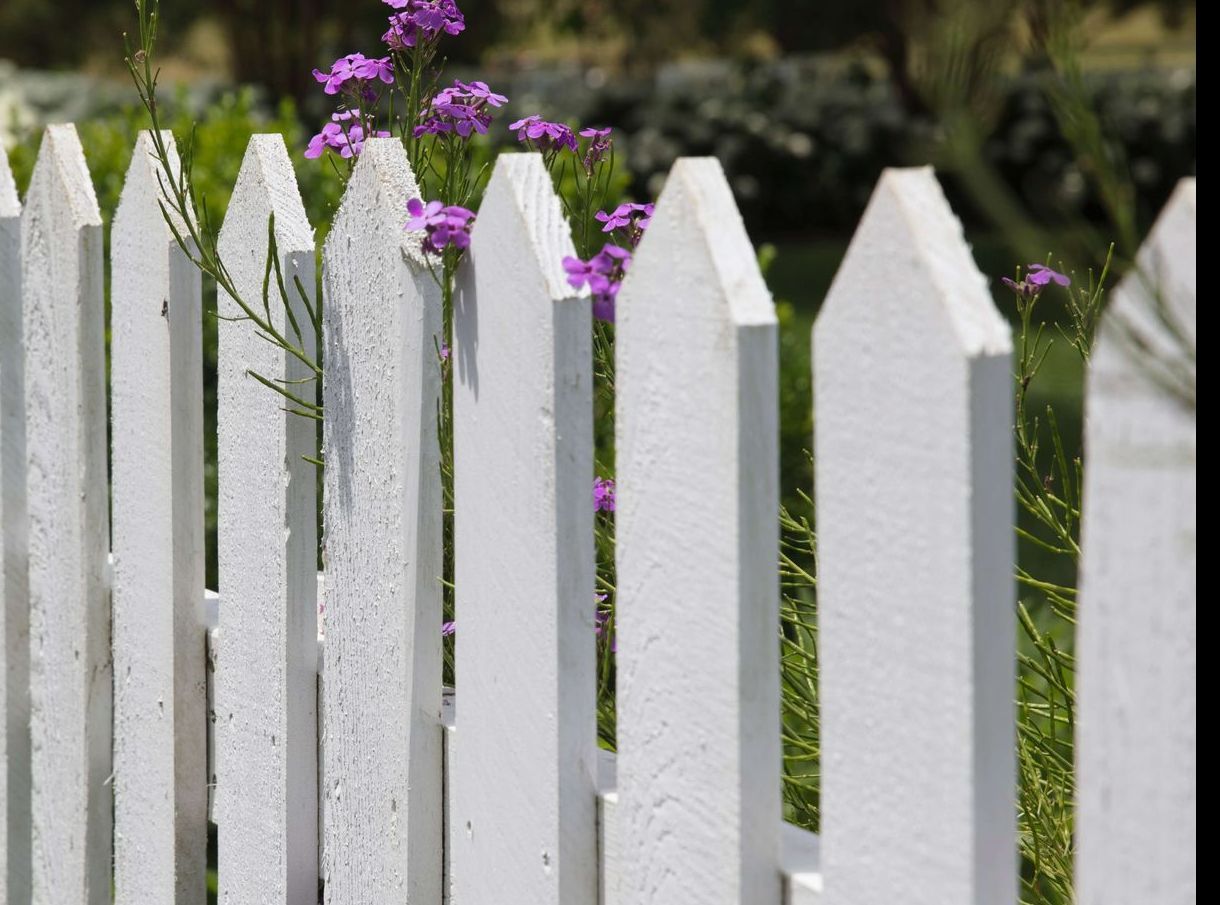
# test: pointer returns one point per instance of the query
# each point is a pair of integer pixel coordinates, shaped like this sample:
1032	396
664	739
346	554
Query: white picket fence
367	781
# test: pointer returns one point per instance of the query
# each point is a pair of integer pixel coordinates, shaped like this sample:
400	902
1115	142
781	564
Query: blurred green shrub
804	141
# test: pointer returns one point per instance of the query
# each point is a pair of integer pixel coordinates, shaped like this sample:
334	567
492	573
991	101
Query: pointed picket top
697	479
267	550
145	187
696	219
65	408
382	510
911	250
523	766
1136	645
913	461
380	186
156	378
14	594
10	205
61	163
266	184
1152	316
520	183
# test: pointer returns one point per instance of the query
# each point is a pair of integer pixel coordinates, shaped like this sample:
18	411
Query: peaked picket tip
1168	253
1153	313
10	204
697	205
381	185
909	230
520	181
145	185
61	168
1182	199
266	184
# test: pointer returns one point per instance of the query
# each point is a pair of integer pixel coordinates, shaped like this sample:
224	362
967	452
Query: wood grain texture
267	692
523	770
1137	714
65	403
913	456
383	329
14	588
156	368
697	542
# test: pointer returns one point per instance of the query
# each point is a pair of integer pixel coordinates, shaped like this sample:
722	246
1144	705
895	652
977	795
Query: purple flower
631	219
544	136
347	140
603	494
1037	278
443	226
461	109
1041	275
422	20
448	628
604	274
599	146
357	69
444	351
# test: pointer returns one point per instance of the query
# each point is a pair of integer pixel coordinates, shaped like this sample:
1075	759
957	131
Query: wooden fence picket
914	474
65	401
697	542
522	775
1137	713
14	592
156	373
267	692
383	330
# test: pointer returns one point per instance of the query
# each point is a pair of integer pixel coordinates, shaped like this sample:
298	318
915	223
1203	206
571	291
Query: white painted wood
65	402
215	729
14	592
800	861
801	864
156	373
211	604
524	773
267	552
698	658
383	324
609	843
448	740
915	590
1137	709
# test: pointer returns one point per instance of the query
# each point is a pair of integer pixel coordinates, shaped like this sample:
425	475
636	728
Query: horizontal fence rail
308	721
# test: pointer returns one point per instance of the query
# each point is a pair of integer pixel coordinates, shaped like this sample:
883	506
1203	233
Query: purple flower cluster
461	109
629	219
604	274
344	134
421	21
603	494
354	73
550	138
1037	278
544	136
443	226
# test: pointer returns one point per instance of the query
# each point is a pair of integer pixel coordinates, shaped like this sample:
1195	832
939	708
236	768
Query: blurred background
1056	126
